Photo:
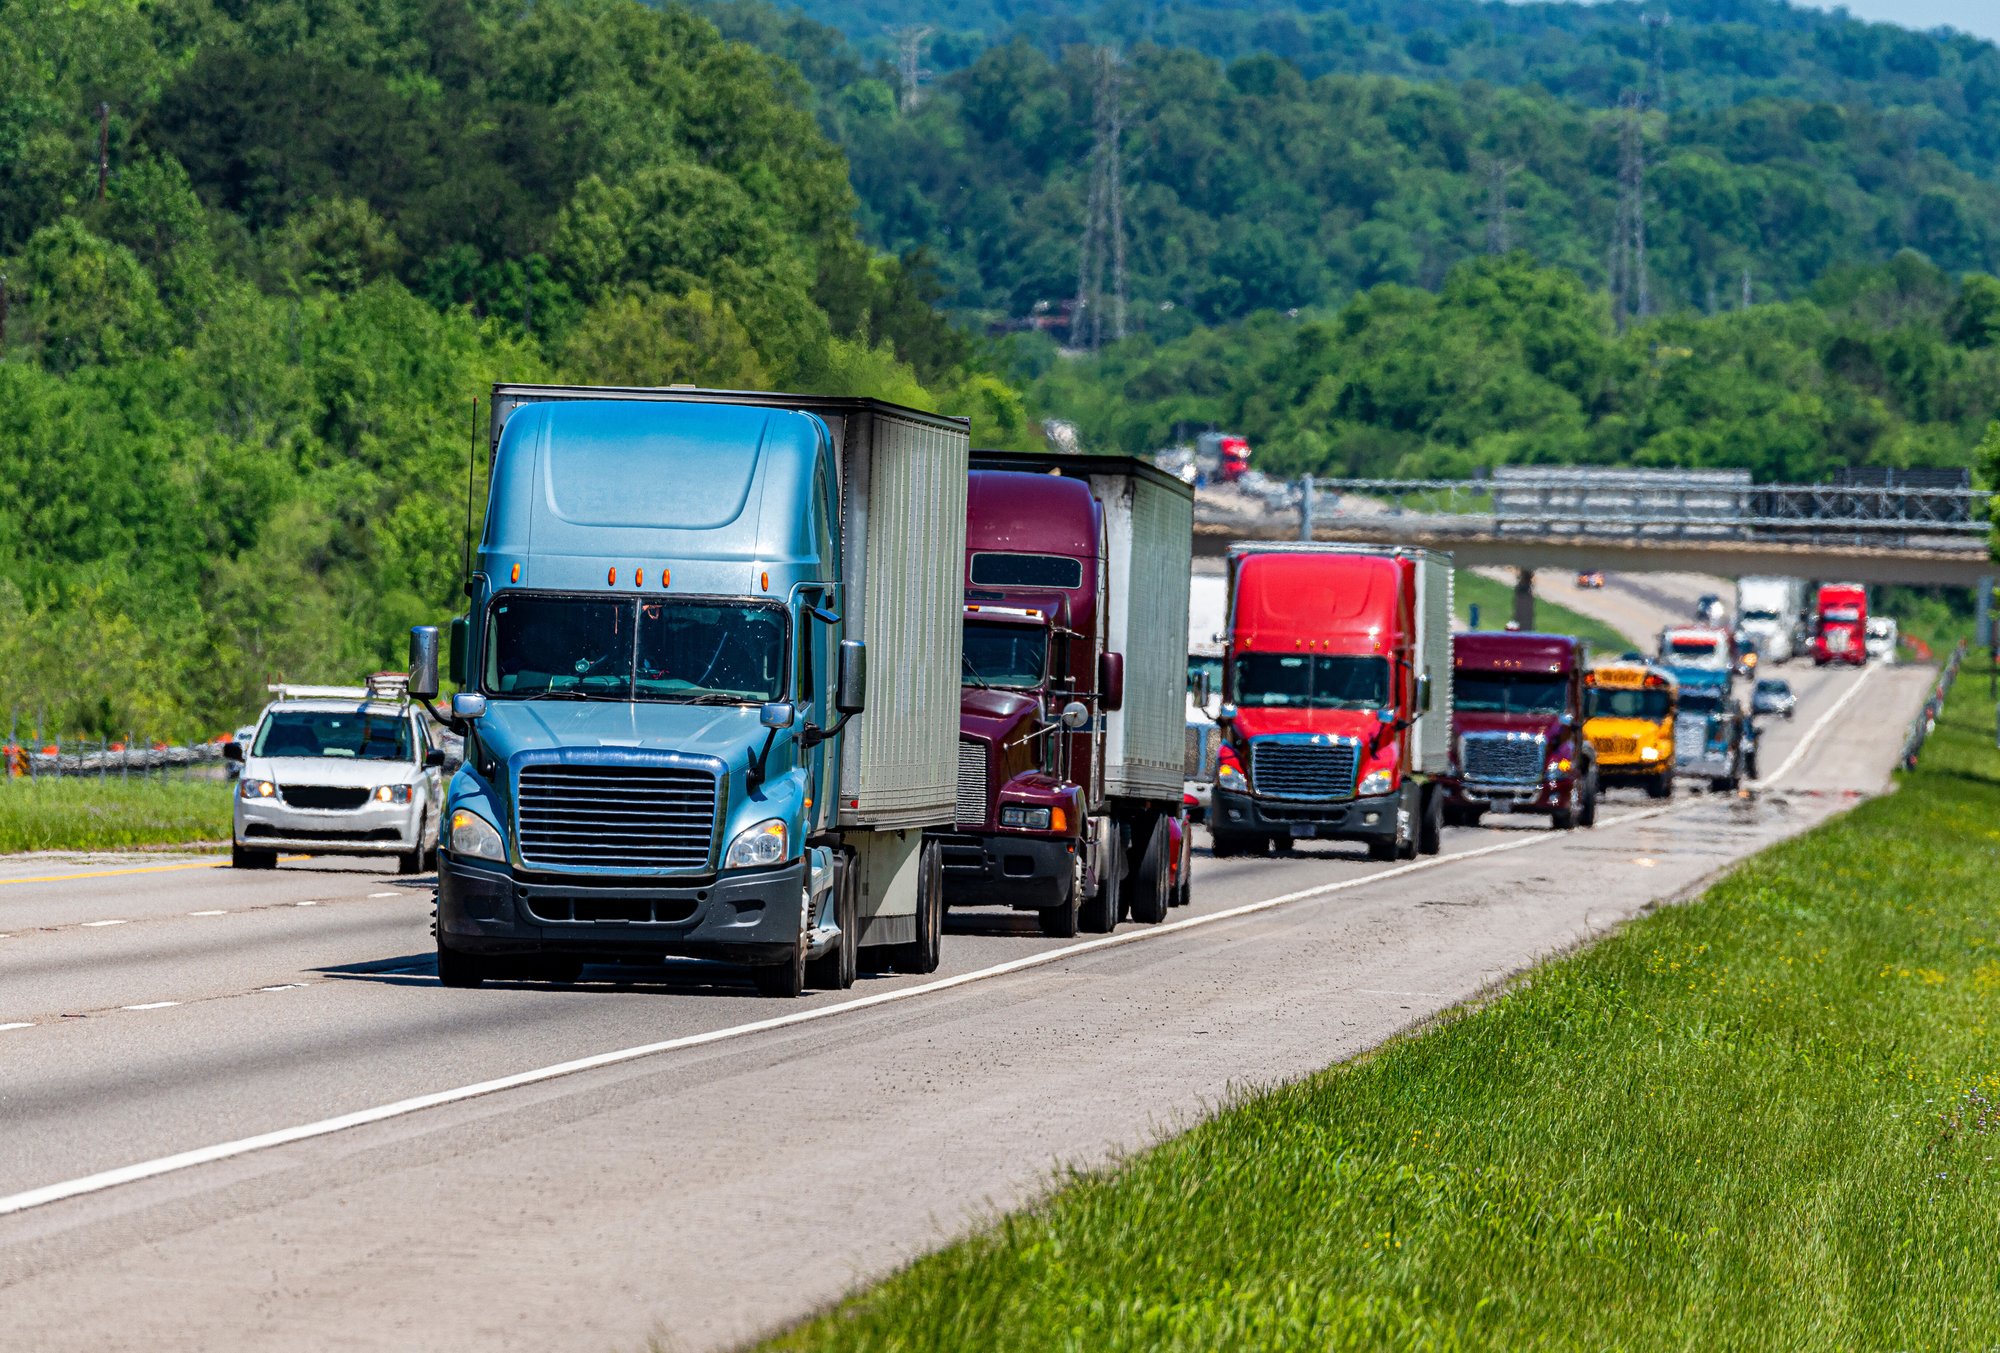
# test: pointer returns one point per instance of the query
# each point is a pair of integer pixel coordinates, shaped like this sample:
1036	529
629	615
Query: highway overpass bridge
1631	522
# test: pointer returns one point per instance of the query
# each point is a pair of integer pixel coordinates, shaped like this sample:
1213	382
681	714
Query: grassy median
1496	608
111	813
1764	1120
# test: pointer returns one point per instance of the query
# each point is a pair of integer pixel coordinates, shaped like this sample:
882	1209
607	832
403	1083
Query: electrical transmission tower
1656	26
1631	291
910	72
1104	216
1499	238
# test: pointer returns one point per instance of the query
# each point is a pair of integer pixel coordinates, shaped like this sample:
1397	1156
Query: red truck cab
1337	700
1840	629
1517	729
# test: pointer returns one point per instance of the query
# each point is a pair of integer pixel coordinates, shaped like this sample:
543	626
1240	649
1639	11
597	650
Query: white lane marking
19	1024
92	925
307	903
284	986
207	1155
372	896
151	1005
208	913
1818	727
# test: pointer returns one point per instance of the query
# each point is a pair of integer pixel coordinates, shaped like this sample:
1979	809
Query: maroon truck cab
1517	729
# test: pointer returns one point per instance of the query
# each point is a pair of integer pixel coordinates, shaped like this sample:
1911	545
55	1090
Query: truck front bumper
750	917
1372	819
1633	772
1000	869
1510	796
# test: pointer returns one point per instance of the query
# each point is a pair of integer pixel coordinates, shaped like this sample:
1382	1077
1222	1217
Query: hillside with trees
261	261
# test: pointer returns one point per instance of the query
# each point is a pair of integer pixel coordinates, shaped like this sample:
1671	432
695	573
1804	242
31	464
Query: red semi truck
1072	720
1517	717
1840	628
1337	699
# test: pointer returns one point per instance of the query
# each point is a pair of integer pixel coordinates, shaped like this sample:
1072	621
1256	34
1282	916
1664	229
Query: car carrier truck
1337	691
708	686
1073	721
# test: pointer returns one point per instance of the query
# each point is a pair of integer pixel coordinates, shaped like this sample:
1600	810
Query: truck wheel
1099	914
835	970
1660	787
1059	922
457	969
1153	881
922	954
1382	850
1430	828
1588	817
239	858
410	862
1563	819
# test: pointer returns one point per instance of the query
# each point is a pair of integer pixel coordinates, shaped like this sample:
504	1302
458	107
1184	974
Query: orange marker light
1058	820
764	581
516	575
638	577
666	577
611	577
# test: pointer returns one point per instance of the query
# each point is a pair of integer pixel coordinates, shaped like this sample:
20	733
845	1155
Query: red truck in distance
1072	719
1337	699
1840	625
1517	722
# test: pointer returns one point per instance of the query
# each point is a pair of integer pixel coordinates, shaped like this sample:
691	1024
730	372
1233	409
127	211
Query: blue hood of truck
591	730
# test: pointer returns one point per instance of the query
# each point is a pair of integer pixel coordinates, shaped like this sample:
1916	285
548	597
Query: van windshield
1311	681
347	734
642	648
1509	692
1627	702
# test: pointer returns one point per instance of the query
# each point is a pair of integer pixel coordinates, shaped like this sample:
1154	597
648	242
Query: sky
1978	17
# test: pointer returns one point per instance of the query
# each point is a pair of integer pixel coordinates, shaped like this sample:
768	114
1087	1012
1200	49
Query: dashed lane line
206	1155
1819	726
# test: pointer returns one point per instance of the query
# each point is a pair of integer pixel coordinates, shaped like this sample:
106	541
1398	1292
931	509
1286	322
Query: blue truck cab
663	683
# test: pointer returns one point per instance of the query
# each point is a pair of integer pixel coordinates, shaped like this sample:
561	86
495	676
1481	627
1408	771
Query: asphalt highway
675	1156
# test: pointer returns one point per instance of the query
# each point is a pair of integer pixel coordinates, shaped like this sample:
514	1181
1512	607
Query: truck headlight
759	845
1231	778
1649	753
1376	782
1560	766
474	837
392	793
257	789
1028	819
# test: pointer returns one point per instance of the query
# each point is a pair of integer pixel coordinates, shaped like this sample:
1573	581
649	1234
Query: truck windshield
1509	693
347	734
1311	681
1700	702
1840	615
582	648
1004	655
1625	702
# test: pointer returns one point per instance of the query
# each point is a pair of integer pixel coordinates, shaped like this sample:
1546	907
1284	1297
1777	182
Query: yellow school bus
1628	713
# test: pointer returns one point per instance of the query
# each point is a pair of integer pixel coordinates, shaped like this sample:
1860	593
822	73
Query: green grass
1496	608
1764	1120
106	814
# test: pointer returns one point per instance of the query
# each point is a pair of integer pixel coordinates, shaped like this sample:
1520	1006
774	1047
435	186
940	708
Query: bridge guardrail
1925	723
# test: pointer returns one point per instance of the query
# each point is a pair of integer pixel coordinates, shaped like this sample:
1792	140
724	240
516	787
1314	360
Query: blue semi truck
708	683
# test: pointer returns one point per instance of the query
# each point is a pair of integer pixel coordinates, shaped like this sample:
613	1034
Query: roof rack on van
387	686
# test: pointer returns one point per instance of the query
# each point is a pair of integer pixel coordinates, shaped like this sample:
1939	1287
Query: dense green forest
251	304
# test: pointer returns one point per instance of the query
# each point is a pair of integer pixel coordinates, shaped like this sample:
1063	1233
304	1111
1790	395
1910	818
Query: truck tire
239	858
1430	827
1660	787
1059	922
1563	819
458	970
1098	915
1406	846
1382	850
410	862
836	969
923	954
1153	879
1588	817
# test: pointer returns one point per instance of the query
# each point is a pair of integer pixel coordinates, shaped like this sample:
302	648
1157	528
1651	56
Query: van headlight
392	793
1376	782
474	837
257	789
757	846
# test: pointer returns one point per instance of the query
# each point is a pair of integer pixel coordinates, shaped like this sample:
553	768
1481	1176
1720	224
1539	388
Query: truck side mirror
424	661
1423	692
775	715
1111	680
434	758
1203	687
850	691
233	751
468	705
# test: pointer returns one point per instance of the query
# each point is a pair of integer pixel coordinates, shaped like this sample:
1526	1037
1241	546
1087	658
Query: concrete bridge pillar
1524	598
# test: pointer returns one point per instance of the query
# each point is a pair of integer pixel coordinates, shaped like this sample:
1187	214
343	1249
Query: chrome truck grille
616	817
1304	770
971	810
1507	758
1203	740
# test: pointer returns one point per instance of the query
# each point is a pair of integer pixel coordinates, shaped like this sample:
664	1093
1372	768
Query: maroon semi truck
1517	729
1072	713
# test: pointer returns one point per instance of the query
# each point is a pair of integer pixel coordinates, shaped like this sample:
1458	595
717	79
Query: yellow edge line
139	869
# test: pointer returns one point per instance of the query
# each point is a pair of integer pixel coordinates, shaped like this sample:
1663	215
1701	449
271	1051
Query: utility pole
103	149
1104	215
910	72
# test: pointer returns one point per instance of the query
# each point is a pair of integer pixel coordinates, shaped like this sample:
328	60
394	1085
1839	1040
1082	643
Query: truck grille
971	784
1305	770
1203	739
616	817
1512	758
1616	746
323	796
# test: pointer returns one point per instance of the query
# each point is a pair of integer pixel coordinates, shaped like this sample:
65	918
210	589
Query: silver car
338	771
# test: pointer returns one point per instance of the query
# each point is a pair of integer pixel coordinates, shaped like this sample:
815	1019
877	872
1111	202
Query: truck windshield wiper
973	672
708	698
558	694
